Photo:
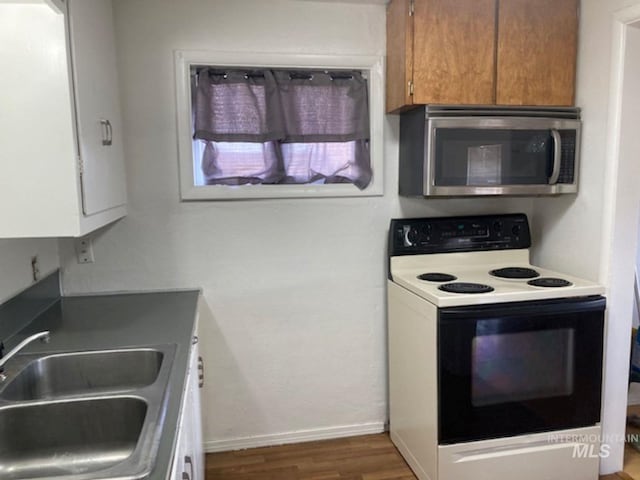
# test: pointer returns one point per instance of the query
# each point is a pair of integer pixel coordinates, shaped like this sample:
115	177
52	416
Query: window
301	126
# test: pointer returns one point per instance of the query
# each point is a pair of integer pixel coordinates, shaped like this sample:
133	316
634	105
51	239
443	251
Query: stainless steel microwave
459	151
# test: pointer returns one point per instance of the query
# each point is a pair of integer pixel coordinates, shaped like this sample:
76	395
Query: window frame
372	66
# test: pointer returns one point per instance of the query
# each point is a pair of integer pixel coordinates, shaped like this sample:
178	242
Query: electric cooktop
474	260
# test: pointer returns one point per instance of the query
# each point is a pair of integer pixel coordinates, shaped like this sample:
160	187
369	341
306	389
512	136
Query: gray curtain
282	126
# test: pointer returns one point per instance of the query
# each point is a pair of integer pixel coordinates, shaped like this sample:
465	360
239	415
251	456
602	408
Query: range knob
412	236
497	226
516	230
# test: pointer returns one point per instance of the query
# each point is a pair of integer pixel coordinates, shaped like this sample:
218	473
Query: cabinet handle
200	372
107	132
194	340
189	461
185	476
110	131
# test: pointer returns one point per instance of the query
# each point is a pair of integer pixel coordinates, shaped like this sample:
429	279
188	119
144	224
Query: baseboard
293	437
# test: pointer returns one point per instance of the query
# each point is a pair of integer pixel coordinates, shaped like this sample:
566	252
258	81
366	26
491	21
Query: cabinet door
183	467
194	405
399	54
454	51
537	42
178	467
98	121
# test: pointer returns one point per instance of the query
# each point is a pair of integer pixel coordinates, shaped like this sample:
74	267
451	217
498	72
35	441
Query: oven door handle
518	449
556	306
557	156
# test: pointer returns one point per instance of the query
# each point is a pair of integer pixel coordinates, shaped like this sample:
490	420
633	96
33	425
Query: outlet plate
84	250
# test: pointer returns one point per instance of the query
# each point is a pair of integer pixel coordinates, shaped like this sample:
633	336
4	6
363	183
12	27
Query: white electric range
492	361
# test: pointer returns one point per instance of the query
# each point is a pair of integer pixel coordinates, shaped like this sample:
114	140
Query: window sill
254	192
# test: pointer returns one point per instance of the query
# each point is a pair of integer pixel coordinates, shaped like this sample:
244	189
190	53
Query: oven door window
510	369
492	157
515	367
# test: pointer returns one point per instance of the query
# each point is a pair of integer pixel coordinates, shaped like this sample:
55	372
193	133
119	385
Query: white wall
15	263
295	340
594	234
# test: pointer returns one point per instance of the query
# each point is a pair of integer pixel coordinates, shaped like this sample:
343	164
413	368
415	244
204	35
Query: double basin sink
83	415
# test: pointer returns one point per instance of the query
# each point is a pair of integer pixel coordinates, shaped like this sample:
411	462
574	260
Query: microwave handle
557	153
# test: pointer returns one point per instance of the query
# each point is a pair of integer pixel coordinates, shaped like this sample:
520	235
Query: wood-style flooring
368	457
617	476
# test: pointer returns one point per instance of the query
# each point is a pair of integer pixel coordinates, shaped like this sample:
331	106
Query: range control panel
416	236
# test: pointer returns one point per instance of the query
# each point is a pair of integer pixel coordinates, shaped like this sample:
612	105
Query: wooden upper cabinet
481	52
439	51
537	46
399	54
454	54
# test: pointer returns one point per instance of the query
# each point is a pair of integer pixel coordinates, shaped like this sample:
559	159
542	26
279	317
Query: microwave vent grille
441	111
567	157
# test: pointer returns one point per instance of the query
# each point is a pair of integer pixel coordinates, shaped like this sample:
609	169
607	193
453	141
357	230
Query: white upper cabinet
97	105
61	154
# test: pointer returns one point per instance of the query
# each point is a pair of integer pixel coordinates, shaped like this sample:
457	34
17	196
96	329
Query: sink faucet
43	336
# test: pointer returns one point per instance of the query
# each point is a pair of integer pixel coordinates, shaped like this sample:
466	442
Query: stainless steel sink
74	373
69	437
84	415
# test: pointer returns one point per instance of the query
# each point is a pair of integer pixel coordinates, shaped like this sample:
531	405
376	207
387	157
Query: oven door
515	368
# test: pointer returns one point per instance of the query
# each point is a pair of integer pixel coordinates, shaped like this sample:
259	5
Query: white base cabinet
61	152
188	460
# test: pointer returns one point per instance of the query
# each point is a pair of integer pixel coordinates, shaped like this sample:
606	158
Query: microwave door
467	155
490	158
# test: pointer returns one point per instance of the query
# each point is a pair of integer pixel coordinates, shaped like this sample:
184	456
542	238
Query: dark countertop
124	320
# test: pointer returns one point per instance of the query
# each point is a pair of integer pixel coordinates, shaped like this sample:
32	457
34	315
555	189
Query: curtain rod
293	75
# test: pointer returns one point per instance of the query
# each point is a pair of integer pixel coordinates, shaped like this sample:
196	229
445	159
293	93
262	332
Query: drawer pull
200	372
189	461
